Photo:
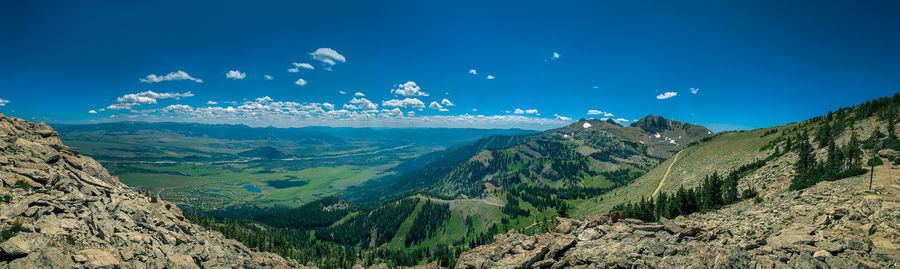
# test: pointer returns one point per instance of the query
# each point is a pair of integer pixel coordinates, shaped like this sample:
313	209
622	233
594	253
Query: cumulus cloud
435	105
562	118
92	111
359	94
300	82
268	77
212	103
3	102
328	56
342	92
694	90
361	103
490	77
144	98
446	102
235	74
264	111
532	111
555	56
294	70
473	72
178	108
177	75
409	89
519	111
405	103
304	65
666	95
598	112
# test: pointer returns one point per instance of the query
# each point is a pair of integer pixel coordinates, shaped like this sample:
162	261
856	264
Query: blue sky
753	63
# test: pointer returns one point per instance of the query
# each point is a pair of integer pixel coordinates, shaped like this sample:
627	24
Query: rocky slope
63	210
836	224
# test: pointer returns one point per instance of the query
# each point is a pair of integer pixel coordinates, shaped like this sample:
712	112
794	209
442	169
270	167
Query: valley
214	167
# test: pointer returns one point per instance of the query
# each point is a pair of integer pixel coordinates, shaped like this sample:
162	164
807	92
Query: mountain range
820	193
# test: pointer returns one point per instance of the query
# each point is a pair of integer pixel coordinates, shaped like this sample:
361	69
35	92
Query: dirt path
666	175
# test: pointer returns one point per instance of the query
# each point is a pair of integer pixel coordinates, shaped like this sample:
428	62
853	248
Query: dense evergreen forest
348	247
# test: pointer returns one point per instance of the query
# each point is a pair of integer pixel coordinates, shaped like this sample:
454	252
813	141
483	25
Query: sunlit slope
721	153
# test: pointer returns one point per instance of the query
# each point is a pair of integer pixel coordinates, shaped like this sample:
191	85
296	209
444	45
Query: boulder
99	258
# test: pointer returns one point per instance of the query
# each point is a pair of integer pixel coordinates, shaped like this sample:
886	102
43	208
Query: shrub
757	199
750	193
21	185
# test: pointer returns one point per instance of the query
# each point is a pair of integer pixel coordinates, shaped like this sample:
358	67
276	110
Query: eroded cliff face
64	210
836	224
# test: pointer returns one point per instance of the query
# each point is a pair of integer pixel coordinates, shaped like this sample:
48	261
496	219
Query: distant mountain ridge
573	155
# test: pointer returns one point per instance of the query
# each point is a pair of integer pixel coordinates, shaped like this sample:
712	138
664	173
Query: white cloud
92	111
435	105
361	103
359	94
555	56
342	92
694	90
264	99
143	98
446	102
409	89
329	106
519	111
405	103
666	95
532	111
212	103
490	77
328	56
3	102
392	112
304	65
177	75
178	108
474	110
300	82
268	77
562	118
598	112
473	72
235	74
294	70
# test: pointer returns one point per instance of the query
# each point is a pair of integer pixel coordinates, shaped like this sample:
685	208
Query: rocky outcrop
830	225
64	210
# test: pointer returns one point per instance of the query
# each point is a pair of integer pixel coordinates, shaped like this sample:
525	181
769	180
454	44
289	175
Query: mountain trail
666	175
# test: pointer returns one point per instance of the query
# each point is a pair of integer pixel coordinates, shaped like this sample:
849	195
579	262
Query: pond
285	183
252	188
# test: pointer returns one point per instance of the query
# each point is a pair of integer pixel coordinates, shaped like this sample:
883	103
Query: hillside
589	153
794	195
63	210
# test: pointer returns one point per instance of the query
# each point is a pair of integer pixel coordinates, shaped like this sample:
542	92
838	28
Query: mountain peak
655	124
